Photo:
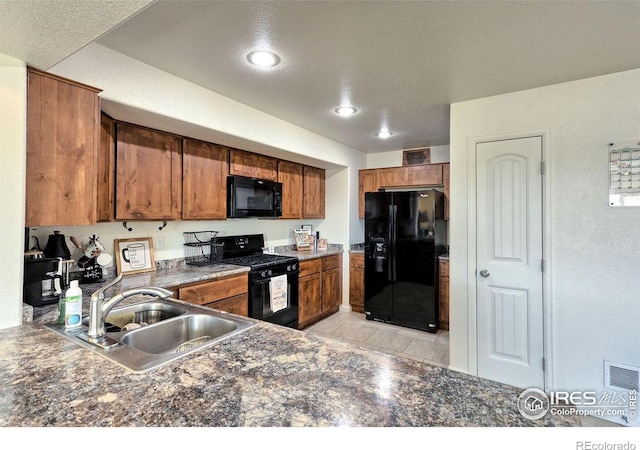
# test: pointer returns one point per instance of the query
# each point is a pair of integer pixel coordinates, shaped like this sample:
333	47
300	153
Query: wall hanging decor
134	255
624	174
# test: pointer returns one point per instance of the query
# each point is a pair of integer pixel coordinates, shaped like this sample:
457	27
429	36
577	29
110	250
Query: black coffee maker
42	282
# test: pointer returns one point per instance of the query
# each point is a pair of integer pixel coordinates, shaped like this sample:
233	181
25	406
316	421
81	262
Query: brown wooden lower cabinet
320	289
356	282
443	293
228	294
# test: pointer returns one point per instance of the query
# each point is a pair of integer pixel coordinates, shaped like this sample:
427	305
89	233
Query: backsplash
169	241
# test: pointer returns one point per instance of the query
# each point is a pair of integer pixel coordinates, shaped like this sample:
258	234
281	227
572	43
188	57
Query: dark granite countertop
267	376
290	250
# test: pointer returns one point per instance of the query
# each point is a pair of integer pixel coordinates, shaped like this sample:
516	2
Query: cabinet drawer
237	305
310	266
330	262
357	260
444	268
211	291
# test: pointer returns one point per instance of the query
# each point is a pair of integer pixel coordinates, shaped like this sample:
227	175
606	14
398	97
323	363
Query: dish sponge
122	319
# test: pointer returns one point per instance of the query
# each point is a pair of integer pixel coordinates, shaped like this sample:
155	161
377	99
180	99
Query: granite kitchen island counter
267	376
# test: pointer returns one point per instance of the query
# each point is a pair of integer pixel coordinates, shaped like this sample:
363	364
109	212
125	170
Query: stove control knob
263	274
270	272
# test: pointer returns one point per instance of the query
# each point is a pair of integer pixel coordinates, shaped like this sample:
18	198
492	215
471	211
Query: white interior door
509	261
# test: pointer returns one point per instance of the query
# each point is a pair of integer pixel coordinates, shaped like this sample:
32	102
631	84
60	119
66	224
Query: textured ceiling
400	63
42	33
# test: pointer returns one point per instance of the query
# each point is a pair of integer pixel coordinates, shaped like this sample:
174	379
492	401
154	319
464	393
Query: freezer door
378	256
415	298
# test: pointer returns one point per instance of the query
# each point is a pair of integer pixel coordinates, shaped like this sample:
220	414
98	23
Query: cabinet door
331	290
149	174
266	167
309	299
367	182
63	133
247	164
425	175
356	282
314	189
290	175
446	182
393	177
106	169
204	180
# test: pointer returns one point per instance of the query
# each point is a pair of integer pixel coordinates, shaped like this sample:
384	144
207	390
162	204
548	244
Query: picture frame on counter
308	228
304	240
134	255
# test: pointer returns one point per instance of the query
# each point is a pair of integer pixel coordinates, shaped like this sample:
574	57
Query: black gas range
273	279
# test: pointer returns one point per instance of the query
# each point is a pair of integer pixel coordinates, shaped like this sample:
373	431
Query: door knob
484	273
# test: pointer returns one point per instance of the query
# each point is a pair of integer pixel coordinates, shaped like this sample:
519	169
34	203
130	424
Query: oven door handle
266	280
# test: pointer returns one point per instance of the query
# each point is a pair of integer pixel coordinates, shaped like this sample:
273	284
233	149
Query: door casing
547	300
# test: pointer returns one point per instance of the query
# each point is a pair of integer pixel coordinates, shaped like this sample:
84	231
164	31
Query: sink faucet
99	308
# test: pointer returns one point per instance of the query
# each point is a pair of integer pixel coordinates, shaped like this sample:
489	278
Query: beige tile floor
352	327
431	348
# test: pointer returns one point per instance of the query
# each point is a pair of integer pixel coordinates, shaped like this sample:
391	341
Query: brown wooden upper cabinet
252	165
408	176
204	180
162	176
149	174
314	193
106	168
290	175
367	182
63	133
371	180
425	175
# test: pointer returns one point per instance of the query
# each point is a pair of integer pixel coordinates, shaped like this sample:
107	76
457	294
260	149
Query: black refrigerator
405	232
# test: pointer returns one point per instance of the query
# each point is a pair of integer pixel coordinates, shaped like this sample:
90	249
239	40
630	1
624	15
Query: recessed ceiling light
346	111
263	58
384	134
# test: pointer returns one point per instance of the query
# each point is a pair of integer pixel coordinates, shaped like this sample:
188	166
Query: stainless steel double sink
152	333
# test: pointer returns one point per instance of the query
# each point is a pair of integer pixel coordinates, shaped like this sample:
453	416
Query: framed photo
134	255
417	156
308	228
304	240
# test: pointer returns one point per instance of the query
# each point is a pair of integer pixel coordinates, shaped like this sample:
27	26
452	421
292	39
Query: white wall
13	126
594	263
438	154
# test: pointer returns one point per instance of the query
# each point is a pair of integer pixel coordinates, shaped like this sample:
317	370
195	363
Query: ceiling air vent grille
621	376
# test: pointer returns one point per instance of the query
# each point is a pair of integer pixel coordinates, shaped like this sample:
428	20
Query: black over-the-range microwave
253	197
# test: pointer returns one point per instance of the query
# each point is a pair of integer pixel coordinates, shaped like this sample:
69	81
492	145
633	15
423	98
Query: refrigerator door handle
388	244
394	229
